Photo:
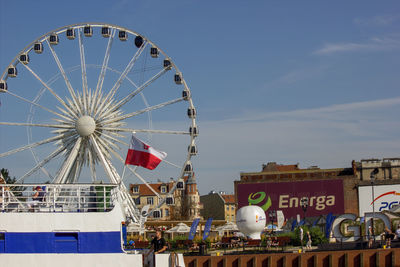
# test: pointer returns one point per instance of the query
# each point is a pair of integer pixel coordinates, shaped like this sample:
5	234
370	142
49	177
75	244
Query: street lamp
373	177
304	205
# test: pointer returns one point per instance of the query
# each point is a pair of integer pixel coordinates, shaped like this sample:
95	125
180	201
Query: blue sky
306	82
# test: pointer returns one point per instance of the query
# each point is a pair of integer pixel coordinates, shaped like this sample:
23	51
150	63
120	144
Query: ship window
2	242
65	242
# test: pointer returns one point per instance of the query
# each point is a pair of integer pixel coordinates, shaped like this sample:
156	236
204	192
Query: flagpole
123	173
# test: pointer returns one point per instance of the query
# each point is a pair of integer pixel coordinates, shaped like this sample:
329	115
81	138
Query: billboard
324	196
385	197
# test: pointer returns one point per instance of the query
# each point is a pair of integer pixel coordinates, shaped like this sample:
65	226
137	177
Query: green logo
257	198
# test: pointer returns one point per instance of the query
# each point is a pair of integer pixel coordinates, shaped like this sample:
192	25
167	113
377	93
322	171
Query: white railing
57	197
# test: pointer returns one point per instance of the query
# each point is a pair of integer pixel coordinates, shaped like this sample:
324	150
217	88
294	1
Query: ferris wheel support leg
66	168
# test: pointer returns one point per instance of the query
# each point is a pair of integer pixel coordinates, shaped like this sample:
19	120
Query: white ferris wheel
71	99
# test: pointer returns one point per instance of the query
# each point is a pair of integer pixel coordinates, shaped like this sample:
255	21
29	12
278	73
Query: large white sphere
251	221
85	126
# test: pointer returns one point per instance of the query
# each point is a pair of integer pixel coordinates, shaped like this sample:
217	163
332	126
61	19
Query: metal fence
57	197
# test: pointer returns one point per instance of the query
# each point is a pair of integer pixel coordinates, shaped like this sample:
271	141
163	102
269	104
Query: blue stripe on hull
61	242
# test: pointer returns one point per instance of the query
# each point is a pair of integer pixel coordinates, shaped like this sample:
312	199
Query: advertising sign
385	197
324	196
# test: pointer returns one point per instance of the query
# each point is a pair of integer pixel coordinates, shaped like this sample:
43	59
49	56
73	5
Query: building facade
388	168
184	203
283	187
219	206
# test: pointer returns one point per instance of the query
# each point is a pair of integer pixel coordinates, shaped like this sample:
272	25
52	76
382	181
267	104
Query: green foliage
17	190
173	242
317	236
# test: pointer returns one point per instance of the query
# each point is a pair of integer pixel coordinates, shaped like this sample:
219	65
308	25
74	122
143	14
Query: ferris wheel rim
44	37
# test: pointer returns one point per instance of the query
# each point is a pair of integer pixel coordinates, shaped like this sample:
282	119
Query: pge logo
387	204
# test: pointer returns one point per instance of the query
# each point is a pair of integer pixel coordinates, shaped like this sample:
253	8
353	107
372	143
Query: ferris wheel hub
85	126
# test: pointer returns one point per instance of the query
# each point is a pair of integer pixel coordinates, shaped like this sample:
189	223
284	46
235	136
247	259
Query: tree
16	190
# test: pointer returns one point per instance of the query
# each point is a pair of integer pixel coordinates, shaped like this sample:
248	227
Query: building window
136	189
166	212
163	189
233	207
137	201
149	201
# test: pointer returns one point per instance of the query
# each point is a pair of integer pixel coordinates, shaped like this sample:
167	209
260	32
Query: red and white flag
141	154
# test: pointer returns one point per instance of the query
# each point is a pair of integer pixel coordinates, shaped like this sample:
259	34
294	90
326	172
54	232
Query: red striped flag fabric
141	154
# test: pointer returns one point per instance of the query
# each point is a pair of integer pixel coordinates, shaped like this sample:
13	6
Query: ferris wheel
72	98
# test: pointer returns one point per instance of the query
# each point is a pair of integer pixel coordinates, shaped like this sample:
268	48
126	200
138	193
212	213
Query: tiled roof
144	190
229	198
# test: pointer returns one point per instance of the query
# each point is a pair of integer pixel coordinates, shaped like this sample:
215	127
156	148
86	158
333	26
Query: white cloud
374	44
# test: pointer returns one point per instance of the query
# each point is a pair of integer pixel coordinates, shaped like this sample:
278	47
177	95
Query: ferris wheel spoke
40	106
105	64
54	154
127	69
143	130
57	126
71	112
172	164
45	141
108	144
83	64
115	140
129	115
121	78
66	167
144	181
137	91
62	71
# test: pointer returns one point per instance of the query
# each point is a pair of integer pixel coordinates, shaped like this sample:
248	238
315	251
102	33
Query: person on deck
158	245
39	194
